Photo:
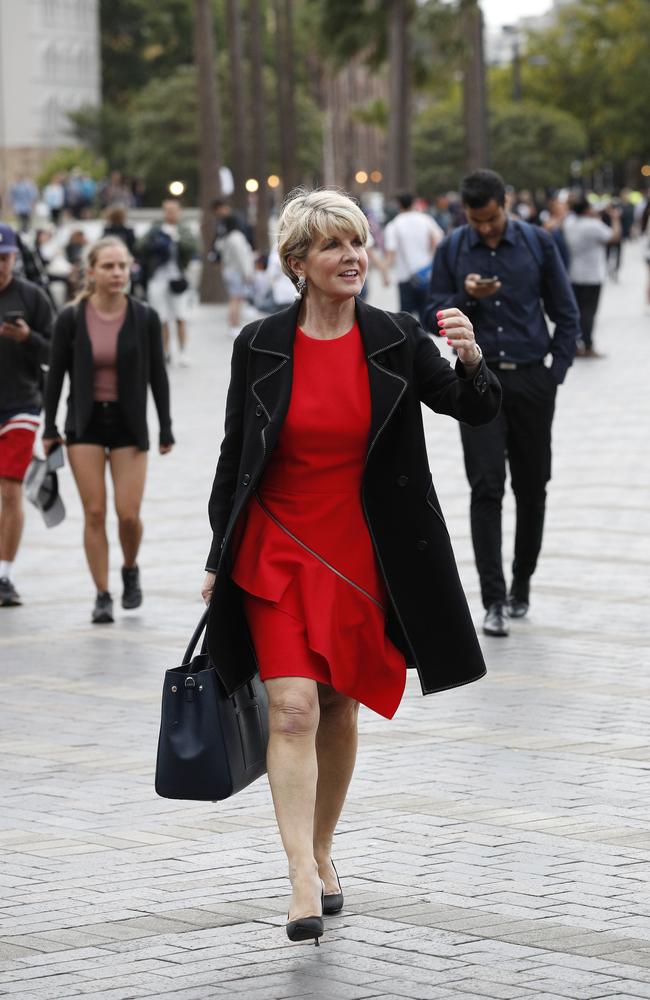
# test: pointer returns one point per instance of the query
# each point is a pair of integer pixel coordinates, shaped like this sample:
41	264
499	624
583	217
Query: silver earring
301	284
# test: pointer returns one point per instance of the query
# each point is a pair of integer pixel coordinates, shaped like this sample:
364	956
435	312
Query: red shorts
17	445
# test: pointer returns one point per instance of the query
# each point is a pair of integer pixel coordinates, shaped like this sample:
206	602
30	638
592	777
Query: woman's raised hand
456	327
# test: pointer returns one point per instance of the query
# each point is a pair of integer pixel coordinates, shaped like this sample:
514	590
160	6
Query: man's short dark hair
580	206
219	203
404	200
481	187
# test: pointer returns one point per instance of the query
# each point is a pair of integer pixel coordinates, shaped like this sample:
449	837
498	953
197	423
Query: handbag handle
196	635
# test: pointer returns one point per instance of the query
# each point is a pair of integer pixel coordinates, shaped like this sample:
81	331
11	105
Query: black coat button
422	545
402	480
381	358
258	411
246	480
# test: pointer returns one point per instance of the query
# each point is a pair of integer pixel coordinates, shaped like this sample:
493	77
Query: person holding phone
25	331
110	345
505	274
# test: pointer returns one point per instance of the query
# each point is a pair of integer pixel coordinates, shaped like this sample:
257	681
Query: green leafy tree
594	63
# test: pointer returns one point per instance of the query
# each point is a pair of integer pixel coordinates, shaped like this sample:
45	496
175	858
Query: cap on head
8	242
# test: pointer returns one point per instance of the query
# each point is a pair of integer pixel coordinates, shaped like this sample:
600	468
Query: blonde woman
110	345
330	567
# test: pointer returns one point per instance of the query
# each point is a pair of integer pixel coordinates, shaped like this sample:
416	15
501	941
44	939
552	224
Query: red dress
315	600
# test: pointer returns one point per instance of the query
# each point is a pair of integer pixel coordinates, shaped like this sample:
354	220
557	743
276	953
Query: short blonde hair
307	215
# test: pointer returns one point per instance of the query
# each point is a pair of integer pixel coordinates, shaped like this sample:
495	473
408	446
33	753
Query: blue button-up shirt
510	325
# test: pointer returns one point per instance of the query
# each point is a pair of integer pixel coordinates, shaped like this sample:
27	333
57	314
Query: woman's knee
95	516
294	714
129	519
11	493
337	708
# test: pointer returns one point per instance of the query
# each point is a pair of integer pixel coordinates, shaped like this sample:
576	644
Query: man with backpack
25	332
505	275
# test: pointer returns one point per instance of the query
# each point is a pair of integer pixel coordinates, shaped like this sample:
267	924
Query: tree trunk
211	288
286	93
260	150
474	91
238	109
399	98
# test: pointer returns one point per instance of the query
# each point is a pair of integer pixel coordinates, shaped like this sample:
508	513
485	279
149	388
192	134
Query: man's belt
512	366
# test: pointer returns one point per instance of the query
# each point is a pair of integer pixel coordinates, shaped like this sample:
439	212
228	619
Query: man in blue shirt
505	274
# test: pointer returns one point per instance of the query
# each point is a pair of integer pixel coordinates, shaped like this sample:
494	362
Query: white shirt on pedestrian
587	240
412	237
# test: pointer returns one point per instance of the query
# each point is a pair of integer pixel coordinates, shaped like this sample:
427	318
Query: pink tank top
103	333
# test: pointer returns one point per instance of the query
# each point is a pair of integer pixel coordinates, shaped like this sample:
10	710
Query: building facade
49	65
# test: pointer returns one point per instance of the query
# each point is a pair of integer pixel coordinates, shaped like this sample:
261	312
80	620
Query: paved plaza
496	841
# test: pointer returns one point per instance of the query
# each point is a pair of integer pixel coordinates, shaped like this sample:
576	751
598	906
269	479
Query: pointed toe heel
307	928
333	901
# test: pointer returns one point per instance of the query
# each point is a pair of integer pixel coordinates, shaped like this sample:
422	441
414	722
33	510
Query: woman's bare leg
88	464
129	471
336	751
293	774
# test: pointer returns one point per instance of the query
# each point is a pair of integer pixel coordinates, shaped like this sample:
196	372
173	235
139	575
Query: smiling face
110	271
335	265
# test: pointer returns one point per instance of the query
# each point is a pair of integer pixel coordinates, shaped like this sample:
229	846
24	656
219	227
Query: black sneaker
132	594
9	596
103	610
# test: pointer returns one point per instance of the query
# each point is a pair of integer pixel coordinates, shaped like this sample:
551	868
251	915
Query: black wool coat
140	363
428	618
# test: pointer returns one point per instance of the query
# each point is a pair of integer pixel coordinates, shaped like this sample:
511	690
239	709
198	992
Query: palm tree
286	93
260	146
238	109
399	107
474	93
211	289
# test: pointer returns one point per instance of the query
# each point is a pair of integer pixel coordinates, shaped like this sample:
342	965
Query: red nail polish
439	313
449	342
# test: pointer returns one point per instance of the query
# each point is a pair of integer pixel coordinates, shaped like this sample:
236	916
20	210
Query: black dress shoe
306	928
333	901
132	593
519	598
495	621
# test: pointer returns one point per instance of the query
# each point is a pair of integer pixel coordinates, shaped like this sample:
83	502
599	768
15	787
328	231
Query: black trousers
520	436
587	297
413	300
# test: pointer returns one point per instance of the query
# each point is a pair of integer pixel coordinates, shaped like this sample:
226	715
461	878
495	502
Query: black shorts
106	428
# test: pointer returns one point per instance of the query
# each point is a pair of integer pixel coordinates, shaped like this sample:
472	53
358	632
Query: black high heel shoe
307	928
333	901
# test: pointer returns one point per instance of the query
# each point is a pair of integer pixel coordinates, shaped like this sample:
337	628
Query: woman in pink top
110	344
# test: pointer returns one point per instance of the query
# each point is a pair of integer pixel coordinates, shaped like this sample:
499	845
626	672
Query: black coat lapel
380	334
272	347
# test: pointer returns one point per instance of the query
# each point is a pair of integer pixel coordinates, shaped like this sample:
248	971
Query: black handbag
211	744
178	285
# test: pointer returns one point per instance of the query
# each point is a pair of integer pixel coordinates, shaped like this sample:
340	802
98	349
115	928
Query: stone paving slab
496	840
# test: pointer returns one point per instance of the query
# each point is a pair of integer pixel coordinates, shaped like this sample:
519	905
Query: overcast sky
505	11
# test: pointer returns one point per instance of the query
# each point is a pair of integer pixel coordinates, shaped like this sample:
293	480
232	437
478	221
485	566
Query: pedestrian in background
237	268
165	253
25	331
588	238
505	274
328	541
410	240
116	216
110	345
23	195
